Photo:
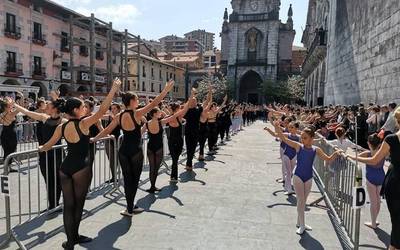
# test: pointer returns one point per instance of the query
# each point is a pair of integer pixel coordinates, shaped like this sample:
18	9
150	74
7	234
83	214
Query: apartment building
38	49
204	37
148	74
174	43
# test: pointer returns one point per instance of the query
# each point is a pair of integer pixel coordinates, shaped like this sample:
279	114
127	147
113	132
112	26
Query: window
37	65
64	65
174	77
159	88
10	23
144	71
99	53
83	50
143	86
160	75
152	87
37	31
11	61
36	8
152	73
64	41
166	76
170	75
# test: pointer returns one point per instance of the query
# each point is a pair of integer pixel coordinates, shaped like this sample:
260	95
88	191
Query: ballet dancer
76	171
302	179
130	152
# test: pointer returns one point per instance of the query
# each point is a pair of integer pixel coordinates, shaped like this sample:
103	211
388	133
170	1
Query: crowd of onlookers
357	121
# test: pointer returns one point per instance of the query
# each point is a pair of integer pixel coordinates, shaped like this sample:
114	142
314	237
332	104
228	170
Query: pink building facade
35	49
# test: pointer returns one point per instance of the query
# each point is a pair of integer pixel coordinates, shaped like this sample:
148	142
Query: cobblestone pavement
230	202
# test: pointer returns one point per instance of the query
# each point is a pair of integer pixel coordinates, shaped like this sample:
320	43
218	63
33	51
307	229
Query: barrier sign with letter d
359	197
4	187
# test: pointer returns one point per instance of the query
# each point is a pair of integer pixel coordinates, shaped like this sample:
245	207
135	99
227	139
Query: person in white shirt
342	142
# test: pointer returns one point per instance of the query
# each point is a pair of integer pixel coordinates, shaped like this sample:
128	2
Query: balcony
65	49
39	73
39	39
316	52
12	32
13	69
84	51
100	57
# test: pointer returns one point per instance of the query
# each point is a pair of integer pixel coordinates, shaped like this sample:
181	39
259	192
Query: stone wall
363	52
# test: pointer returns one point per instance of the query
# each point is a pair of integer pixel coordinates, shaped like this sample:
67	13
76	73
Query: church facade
256	46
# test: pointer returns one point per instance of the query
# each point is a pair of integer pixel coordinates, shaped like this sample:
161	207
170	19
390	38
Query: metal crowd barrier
26	136
336	182
29	200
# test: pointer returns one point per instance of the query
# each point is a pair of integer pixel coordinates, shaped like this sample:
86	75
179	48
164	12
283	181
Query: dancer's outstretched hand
116	84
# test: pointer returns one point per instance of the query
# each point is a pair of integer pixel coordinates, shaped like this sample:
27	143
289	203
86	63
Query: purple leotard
375	174
289	151
284	145
305	161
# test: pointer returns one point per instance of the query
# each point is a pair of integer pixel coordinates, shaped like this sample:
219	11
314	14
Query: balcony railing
84	51
320	39
39	39
64	48
14	69
39	73
100	57
13	32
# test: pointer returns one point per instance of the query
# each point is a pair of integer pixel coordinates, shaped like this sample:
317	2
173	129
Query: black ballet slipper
82	239
67	245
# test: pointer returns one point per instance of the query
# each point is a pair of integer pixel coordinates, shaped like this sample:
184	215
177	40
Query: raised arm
326	157
283	138
141	112
271	132
53	140
34	115
105	132
105	105
180	113
222	105
383	151
208	100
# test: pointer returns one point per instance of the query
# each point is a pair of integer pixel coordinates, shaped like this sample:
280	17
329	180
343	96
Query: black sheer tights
74	190
131	170
155	159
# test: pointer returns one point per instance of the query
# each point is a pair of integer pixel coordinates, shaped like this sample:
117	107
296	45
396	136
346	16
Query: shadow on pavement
308	242
108	235
190	176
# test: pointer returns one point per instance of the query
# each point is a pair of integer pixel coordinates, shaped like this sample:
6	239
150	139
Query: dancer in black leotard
8	135
203	129
155	151
49	162
115	110
130	152
175	142
94	130
212	126
75	171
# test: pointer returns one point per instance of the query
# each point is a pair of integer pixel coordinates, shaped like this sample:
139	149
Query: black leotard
48	129
78	153
155	140
131	143
9	139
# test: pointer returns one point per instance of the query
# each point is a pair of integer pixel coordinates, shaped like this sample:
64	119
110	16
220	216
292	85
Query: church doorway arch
250	89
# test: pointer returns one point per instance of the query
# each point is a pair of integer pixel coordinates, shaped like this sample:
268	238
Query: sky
153	19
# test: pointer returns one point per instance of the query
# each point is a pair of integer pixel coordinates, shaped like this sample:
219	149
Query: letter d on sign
359	197
4	188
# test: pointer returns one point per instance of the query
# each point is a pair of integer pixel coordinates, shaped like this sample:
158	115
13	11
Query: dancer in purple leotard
302	178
